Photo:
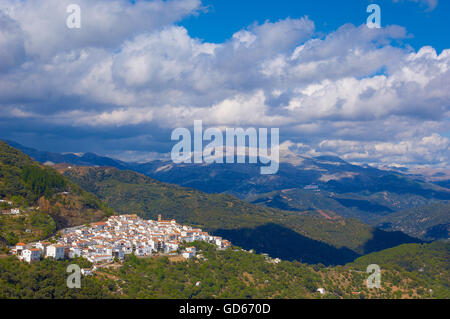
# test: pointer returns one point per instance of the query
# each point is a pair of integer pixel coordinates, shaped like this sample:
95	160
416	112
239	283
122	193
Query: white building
30	255
321	291
74	252
217	241
19	248
118	253
42	246
100	258
56	251
189	253
171	246
86	272
140	251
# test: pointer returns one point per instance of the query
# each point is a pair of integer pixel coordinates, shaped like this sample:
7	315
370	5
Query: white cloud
351	93
433	149
104	23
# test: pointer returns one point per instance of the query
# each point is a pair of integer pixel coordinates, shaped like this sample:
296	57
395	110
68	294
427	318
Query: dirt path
109	276
326	216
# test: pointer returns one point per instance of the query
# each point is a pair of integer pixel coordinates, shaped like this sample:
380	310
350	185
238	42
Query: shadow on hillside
437	232
284	243
387	239
363	205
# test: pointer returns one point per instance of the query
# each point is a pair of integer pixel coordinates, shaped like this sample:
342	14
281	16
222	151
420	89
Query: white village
105	242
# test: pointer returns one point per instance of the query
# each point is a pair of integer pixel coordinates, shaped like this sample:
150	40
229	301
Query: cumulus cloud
433	149
131	74
105	23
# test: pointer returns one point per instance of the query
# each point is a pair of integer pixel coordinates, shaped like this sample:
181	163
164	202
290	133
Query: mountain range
363	192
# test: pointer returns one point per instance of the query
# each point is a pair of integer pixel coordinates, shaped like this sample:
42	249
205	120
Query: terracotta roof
99	223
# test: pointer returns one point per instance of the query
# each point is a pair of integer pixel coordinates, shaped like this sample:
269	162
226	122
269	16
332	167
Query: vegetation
408	271
429	222
43	181
47	200
427	265
26	227
365	206
47	280
234	273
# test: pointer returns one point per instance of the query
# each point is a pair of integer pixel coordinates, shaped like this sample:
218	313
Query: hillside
309	236
426	221
429	222
237	274
46	279
409	271
46	200
428	264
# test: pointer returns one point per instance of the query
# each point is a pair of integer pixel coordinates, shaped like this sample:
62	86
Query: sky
136	70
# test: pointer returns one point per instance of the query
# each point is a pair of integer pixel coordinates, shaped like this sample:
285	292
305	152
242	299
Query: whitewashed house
118	253
189	252
217	241
74	252
42	246
127	249
30	255
171	246
140	251
86	272
151	244
55	251
100	258
19	248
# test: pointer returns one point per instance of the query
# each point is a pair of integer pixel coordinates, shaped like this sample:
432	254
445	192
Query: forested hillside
408	271
429	222
428	264
46	199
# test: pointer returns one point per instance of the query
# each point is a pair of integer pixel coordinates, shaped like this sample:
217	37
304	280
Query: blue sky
223	18
133	72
